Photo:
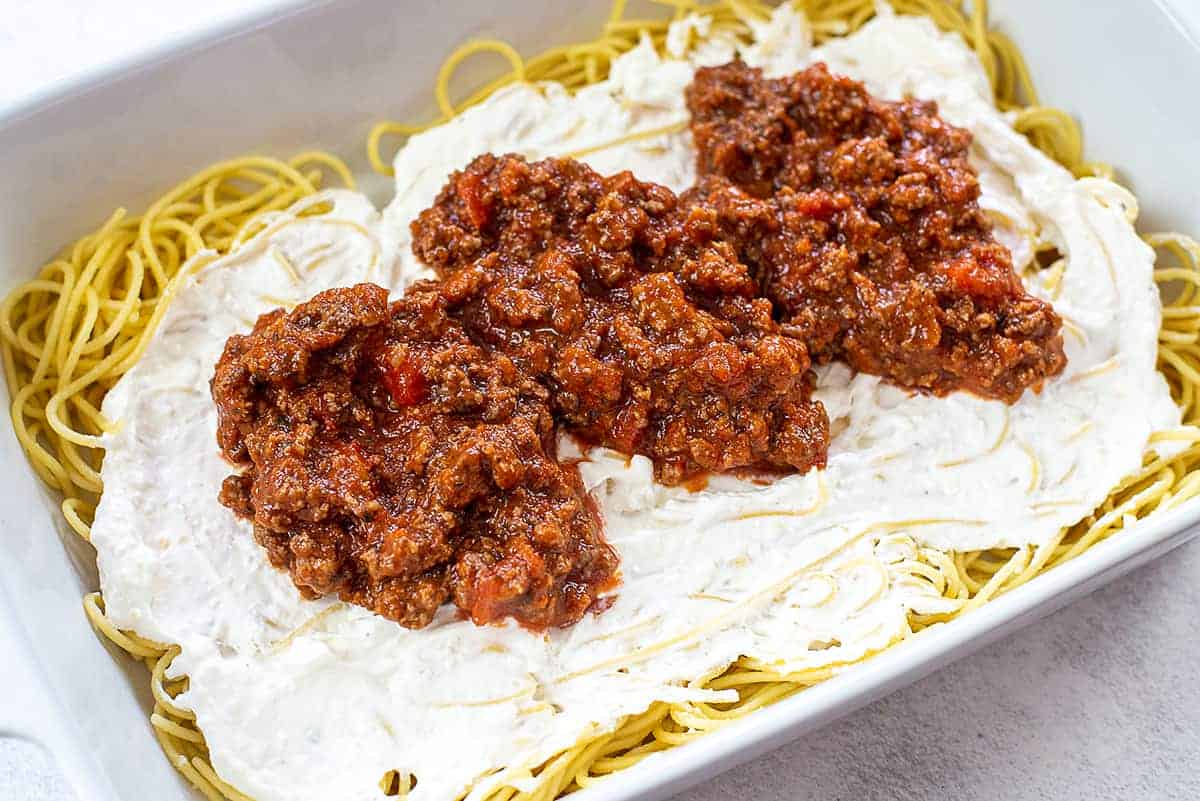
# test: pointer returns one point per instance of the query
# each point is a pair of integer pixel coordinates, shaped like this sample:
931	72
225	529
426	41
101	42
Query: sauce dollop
391	460
860	218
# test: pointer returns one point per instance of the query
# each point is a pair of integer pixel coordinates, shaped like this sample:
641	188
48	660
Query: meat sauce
391	460
649	334
860	218
403	455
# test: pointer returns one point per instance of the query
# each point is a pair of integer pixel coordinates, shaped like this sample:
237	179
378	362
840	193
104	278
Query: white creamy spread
317	700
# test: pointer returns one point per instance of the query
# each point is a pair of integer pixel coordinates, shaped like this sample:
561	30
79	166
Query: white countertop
1099	701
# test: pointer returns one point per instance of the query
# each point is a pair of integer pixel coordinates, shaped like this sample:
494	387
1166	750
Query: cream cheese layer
315	701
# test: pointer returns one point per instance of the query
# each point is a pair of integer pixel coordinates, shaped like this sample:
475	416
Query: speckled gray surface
28	773
1098	701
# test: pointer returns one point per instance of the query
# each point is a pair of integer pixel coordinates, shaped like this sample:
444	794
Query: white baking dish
304	75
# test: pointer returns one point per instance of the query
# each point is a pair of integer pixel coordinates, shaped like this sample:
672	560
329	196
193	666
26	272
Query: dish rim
170	47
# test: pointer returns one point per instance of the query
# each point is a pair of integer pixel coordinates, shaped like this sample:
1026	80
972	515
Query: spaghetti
69	334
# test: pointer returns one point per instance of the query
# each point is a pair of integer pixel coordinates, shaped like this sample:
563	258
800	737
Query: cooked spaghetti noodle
68	335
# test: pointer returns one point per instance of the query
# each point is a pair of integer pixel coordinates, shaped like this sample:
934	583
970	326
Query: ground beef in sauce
860	219
403	455
391	460
648	332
